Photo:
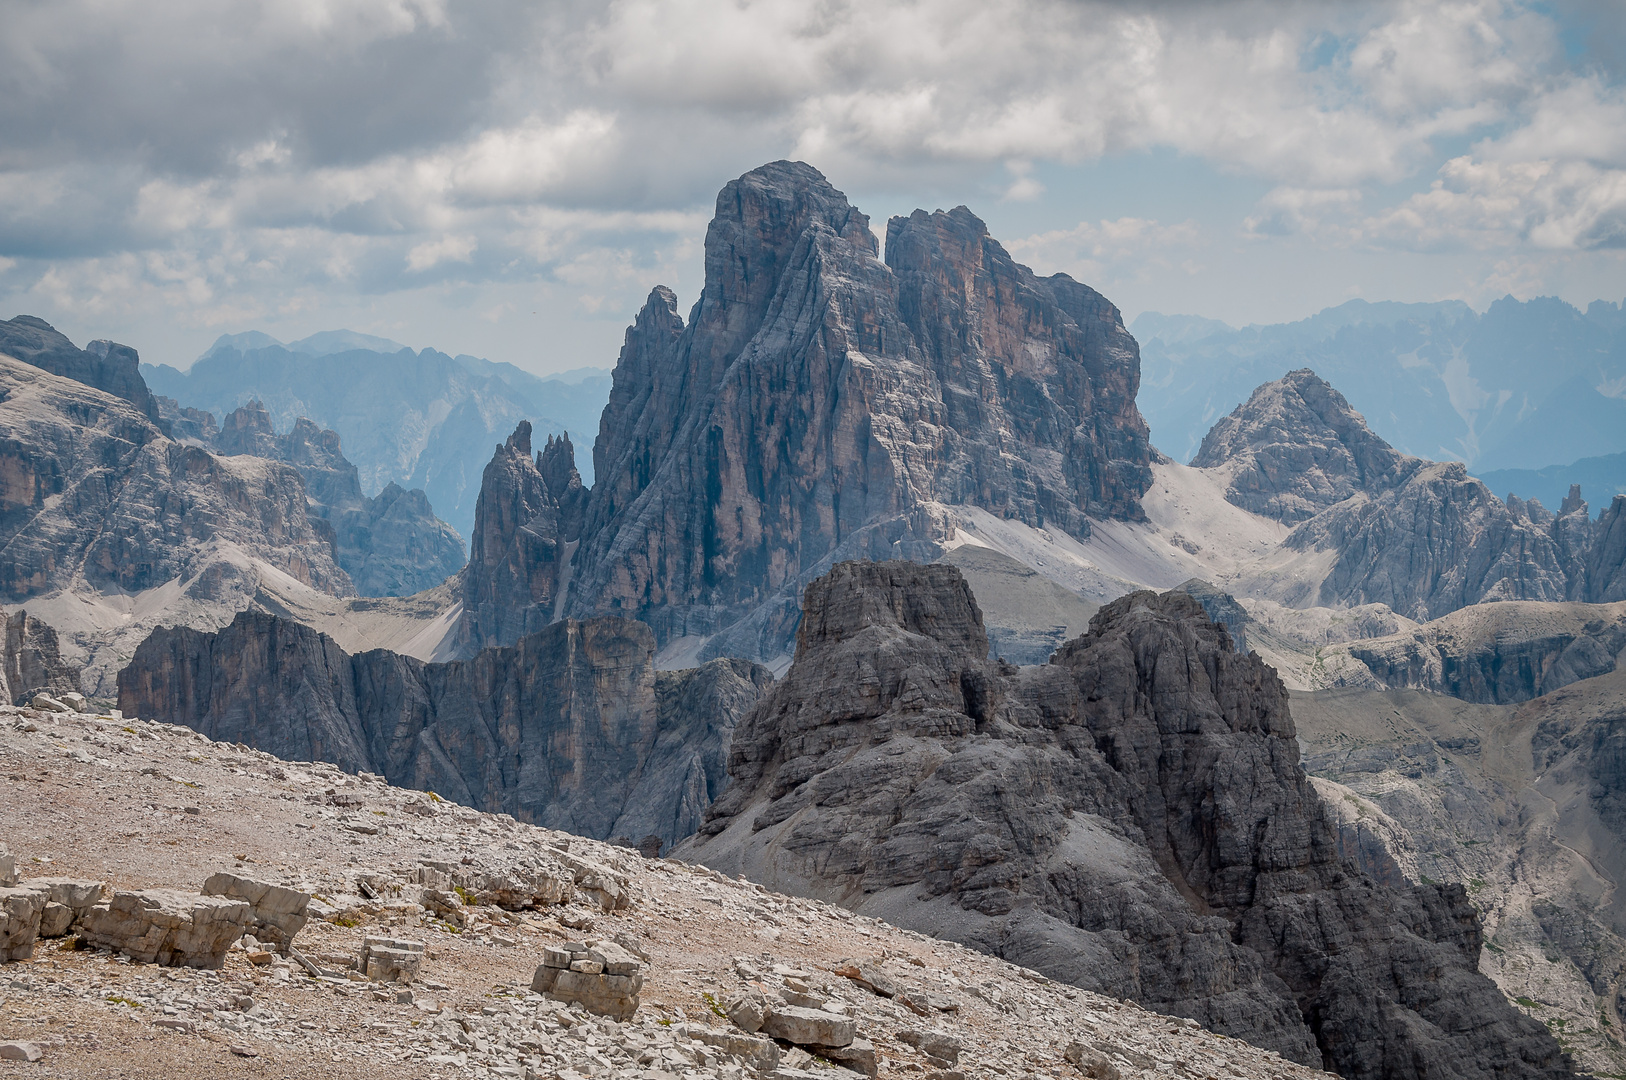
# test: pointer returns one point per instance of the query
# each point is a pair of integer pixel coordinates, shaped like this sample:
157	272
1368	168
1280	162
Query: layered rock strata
106	365
31	661
1131	817
390	544
92	493
570	727
817	405
1376	526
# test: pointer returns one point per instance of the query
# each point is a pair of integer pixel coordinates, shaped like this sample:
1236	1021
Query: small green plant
469	899
381	813
120	1000
1527	1003
346	920
435	798
711	1003
1476	883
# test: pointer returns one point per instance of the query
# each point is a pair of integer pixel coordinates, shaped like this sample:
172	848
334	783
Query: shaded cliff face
93	494
569	727
1131	817
1499	654
31	660
105	365
820	405
391	544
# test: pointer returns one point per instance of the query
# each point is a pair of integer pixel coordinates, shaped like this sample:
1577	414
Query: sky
511	179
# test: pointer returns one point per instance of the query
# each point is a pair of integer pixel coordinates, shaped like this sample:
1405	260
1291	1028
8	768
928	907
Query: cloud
256	155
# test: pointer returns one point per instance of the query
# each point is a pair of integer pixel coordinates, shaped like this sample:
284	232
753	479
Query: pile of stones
602	976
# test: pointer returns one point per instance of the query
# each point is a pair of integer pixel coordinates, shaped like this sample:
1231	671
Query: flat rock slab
809	1027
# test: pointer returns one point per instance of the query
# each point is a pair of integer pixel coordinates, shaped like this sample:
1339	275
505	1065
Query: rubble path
141	805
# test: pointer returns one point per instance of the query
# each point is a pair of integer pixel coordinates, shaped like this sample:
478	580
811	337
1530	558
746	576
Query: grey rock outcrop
32	661
1500	654
1131	817
166	927
1296	447
276	913
1423	538
105	365
569	728
390	544
817	405
93	494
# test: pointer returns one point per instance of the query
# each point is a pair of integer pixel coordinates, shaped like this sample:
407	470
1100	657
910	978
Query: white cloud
430	253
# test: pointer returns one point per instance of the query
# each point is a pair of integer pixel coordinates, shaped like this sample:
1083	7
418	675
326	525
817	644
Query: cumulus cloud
240	155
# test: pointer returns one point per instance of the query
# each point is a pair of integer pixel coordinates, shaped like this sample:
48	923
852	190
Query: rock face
105	365
1130	817
570	727
391	544
1381	527
1296	447
166	926
1500	654
93	493
32	661
817	405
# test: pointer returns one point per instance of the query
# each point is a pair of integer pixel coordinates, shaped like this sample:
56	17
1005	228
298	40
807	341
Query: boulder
47	703
601	975
747	1009
66	901
277	913
8	868
390	960
858	1055
869	975
20	1051
942	1048
76	701
20	911
810	1027
166	926
761	1053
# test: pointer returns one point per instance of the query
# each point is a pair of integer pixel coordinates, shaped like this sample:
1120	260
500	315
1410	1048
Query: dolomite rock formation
817	405
32	661
276	913
93	494
1499	654
1296	447
1131	817
569	727
106	365
166	926
602	976
391	544
1379	527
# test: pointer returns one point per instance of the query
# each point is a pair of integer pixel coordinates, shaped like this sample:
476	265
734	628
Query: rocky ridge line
1131	817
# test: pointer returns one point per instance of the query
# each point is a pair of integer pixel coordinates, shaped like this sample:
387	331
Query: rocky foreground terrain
141	806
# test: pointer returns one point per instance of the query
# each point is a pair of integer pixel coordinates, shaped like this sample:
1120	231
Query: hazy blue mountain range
422	420
1525	385
1601	479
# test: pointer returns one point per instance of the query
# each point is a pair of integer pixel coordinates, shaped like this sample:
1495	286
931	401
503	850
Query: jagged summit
1296	447
1131	817
819	405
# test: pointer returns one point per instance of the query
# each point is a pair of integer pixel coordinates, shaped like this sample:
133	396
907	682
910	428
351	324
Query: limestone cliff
1375	526
390	544
817	405
569	727
1130	817
31	660
106	365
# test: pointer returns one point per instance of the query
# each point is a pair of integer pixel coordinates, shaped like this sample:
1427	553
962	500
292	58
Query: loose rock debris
431	932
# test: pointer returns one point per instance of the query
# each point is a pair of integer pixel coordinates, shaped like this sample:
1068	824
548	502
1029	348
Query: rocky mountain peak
1131	817
817	406
1573	502
105	365
1296	447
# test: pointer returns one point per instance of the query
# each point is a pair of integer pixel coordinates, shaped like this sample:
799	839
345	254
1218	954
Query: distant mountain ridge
1526	384
421	420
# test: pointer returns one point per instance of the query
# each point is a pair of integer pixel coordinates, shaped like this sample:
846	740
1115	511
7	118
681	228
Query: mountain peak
1296	447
